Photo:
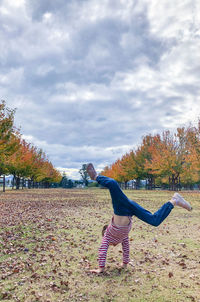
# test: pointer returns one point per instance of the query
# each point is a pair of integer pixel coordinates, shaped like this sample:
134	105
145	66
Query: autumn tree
8	135
132	165
48	173
191	172
167	157
19	158
107	172
122	170
24	162
143	155
129	165
31	163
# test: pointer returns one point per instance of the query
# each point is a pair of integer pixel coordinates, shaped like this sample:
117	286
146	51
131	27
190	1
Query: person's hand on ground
123	265
97	271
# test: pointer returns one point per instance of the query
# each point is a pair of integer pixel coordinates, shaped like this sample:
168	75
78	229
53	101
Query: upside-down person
124	208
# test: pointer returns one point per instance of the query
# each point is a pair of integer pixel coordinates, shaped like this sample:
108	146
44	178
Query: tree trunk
13	181
137	184
4	183
150	184
17	183
174	182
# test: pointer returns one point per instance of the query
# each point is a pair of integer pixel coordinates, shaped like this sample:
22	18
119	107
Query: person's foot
91	171
181	202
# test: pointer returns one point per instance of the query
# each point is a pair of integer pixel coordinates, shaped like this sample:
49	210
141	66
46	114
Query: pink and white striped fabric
115	234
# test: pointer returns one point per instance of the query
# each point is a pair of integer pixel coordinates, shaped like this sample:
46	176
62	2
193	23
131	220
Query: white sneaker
181	202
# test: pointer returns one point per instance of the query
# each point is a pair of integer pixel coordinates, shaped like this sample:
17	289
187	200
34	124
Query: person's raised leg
118	197
157	218
154	219
128	207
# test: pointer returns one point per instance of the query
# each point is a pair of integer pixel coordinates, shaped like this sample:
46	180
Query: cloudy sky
89	78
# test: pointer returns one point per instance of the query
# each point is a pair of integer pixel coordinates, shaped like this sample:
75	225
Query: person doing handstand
124	208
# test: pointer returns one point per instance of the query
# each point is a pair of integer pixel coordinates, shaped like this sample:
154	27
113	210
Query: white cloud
16	3
42	70
72	92
179	18
90	78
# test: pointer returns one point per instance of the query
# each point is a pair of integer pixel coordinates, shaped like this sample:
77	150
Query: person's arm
102	256
125	250
103	252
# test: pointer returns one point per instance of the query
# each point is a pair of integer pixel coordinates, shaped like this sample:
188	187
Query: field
49	239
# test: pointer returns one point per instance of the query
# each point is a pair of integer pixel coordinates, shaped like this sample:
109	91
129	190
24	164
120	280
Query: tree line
20	158
169	160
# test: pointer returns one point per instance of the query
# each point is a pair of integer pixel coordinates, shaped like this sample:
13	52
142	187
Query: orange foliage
162	156
20	158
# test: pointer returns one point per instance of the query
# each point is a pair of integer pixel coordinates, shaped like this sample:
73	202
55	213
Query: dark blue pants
123	206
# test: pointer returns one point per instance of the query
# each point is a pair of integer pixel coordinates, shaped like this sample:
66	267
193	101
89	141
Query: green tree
84	174
66	182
